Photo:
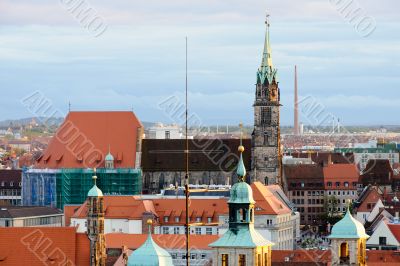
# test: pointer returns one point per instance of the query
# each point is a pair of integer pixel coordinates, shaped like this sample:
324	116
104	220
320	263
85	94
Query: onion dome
150	254
95	191
241	192
348	227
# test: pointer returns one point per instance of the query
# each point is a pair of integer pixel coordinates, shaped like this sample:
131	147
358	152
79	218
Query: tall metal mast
187	166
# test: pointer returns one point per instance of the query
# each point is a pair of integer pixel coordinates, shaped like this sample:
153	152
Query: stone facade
355	249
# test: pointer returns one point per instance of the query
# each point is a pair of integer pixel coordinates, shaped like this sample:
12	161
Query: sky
130	55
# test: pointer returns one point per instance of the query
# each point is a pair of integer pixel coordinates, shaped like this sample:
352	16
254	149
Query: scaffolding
57	187
74	184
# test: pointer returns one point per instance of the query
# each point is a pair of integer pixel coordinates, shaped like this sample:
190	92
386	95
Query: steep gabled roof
377	171
395	229
368	200
84	138
267	201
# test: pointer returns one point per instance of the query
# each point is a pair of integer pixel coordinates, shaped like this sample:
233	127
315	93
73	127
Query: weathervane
267	19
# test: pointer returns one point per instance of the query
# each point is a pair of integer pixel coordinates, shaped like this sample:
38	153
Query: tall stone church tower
266	146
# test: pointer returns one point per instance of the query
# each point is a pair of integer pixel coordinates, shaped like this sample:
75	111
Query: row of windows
10	192
42	221
177	230
193	256
3	184
178	219
339	192
338	184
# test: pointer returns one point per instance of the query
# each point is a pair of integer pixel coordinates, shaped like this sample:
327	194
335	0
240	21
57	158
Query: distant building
161	131
383	151
311	185
25	216
10	187
62	175
20	144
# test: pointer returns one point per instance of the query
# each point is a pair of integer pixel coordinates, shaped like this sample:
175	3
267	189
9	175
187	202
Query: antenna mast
187	164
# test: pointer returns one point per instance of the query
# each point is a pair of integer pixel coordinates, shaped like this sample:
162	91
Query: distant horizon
222	126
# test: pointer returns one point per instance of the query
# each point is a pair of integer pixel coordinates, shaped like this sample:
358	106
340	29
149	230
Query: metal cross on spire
267	19
241	132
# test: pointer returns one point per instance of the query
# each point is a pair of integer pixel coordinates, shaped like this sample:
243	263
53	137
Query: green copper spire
241	170
267	58
267	72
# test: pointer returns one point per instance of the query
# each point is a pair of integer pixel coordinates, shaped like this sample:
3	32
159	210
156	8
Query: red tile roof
395	229
341	173
48	245
269	204
84	138
134	241
133	207
370	199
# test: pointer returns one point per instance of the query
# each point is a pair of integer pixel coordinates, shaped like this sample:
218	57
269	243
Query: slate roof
205	154
27	211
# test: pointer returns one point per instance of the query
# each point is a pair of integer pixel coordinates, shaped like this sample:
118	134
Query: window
166	219
2	183
174	256
224	260
329	184
177	219
337	184
198	230
198	219
208	231
20	184
346	184
176	230
259	259
382	240
11	184
209	219
266	115
242	260
165	230
193	256
167	134
203	256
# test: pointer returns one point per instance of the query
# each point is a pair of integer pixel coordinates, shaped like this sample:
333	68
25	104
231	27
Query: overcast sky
138	59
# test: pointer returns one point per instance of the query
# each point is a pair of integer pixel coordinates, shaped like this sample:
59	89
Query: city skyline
46	49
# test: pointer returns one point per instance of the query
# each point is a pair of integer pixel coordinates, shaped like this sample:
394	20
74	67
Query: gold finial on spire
241	148
94	177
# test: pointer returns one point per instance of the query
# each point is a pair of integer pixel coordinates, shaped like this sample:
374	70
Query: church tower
95	225
241	245
266	146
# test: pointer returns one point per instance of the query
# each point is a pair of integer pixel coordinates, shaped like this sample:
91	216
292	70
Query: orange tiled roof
341	173
267	201
69	210
395	229
128	207
134	241
372	198
301	256
84	138
35	245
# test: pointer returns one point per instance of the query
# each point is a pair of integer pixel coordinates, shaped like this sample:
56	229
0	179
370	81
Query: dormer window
329	184
166	219
11	184
198	219
177	219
